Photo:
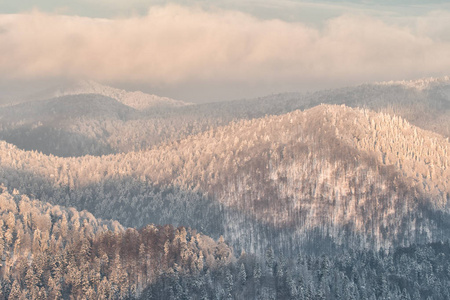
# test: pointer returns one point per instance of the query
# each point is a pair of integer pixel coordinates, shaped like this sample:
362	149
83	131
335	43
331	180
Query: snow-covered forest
50	252
337	194
327	168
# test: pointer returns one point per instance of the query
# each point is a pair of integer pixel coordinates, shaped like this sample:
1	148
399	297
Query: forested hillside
50	252
416	272
360	178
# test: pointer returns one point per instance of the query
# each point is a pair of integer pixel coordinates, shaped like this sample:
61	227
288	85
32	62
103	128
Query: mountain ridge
137	99
427	108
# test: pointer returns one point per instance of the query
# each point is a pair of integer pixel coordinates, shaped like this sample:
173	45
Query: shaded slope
89	105
59	126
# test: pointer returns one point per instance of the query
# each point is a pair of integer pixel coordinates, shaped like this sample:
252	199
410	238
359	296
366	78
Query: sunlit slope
331	167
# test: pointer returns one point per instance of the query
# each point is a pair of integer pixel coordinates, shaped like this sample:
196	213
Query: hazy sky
217	50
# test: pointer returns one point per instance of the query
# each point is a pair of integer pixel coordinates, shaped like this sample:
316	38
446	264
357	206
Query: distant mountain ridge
137	100
66	107
114	131
59	126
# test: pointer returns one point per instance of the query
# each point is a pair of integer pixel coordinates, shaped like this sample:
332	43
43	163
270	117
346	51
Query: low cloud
180	46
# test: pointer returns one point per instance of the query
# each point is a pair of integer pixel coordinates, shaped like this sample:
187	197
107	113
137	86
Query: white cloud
174	45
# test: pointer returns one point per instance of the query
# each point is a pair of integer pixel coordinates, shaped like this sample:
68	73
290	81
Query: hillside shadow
58	142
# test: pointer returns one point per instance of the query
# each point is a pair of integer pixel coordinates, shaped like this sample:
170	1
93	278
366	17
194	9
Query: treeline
51	252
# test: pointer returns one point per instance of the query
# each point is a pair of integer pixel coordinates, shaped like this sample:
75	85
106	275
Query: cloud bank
180	46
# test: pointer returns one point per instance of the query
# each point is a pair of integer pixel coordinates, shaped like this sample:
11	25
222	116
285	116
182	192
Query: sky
202	51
